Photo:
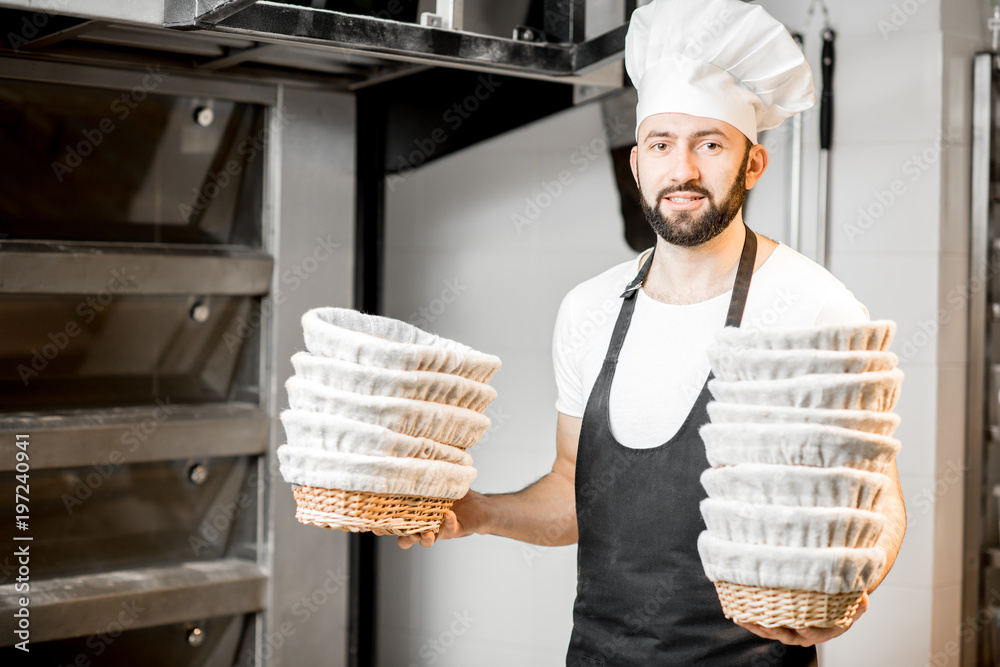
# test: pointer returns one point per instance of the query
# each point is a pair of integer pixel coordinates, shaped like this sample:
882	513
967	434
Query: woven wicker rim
787	607
363	511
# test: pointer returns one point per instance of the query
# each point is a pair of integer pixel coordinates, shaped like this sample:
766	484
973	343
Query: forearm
543	513
892	534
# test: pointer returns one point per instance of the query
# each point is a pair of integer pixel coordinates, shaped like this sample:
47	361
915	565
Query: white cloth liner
730	363
878	391
882	423
376	474
798	444
833	570
446	424
373	381
875	335
370	340
331	433
770	484
783	526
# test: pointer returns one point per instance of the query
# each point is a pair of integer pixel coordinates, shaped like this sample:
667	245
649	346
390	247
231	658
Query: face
693	174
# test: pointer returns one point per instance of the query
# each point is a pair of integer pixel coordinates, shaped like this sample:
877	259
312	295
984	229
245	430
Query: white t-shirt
663	363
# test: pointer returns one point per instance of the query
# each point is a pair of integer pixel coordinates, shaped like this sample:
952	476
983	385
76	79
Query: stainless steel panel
220	642
130	76
84	268
276	22
155	433
114	516
186	12
311	168
108	350
118	10
979	359
139	166
141	597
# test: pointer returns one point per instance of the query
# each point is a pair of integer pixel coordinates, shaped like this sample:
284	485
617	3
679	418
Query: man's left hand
806	636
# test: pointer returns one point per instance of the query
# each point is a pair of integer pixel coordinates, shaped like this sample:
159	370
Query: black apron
643	599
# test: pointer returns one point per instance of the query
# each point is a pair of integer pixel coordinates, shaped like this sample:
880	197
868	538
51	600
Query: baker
632	396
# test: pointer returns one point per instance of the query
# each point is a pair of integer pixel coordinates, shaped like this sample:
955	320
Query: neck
682	275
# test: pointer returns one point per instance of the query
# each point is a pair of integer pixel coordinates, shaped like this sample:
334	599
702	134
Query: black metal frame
271	21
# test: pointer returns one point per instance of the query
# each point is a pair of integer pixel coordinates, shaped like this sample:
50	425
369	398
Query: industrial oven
181	181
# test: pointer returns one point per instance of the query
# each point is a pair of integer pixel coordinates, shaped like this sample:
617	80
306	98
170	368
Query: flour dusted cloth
876	336
769	484
446	424
375	474
798	444
833	570
882	423
316	430
731	363
843	391
371	380
783	526
370	340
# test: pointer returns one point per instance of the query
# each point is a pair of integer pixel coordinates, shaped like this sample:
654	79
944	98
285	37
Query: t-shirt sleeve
566	363
842	308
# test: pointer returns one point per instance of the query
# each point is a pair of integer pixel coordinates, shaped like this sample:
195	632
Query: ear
632	160
756	164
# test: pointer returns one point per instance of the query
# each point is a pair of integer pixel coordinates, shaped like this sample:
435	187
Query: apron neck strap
737	303
744	273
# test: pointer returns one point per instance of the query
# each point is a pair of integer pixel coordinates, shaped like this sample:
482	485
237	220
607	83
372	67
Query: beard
681	228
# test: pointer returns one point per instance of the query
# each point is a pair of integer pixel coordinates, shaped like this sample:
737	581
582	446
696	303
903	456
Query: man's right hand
544	513
466	516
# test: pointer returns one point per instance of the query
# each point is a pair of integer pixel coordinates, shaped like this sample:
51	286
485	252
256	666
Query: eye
711	145
659	146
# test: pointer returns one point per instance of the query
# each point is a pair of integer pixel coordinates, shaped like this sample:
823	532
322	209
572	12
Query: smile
685	201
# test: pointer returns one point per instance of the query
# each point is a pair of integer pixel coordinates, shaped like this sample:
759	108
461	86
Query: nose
683	167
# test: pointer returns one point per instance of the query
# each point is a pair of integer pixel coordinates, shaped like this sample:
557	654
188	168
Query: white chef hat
721	59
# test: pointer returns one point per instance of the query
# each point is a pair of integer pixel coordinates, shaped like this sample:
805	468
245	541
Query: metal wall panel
311	207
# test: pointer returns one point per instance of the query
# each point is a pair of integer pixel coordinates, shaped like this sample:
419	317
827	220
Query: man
625	483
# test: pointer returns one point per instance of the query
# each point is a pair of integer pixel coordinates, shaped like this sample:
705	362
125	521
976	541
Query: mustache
683	187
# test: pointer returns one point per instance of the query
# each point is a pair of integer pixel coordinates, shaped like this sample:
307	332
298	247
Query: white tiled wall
451	222
902	86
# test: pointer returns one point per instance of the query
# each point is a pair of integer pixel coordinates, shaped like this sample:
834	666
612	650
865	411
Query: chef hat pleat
722	59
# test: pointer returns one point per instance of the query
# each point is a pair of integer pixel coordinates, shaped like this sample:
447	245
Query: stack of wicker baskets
799	442
381	415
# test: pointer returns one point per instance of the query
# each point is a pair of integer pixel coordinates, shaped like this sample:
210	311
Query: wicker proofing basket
786	607
362	511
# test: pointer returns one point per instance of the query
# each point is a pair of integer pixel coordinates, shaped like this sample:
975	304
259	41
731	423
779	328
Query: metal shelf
96	437
397	40
79	606
32	267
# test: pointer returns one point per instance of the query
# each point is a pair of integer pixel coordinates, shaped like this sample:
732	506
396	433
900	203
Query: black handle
826	101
